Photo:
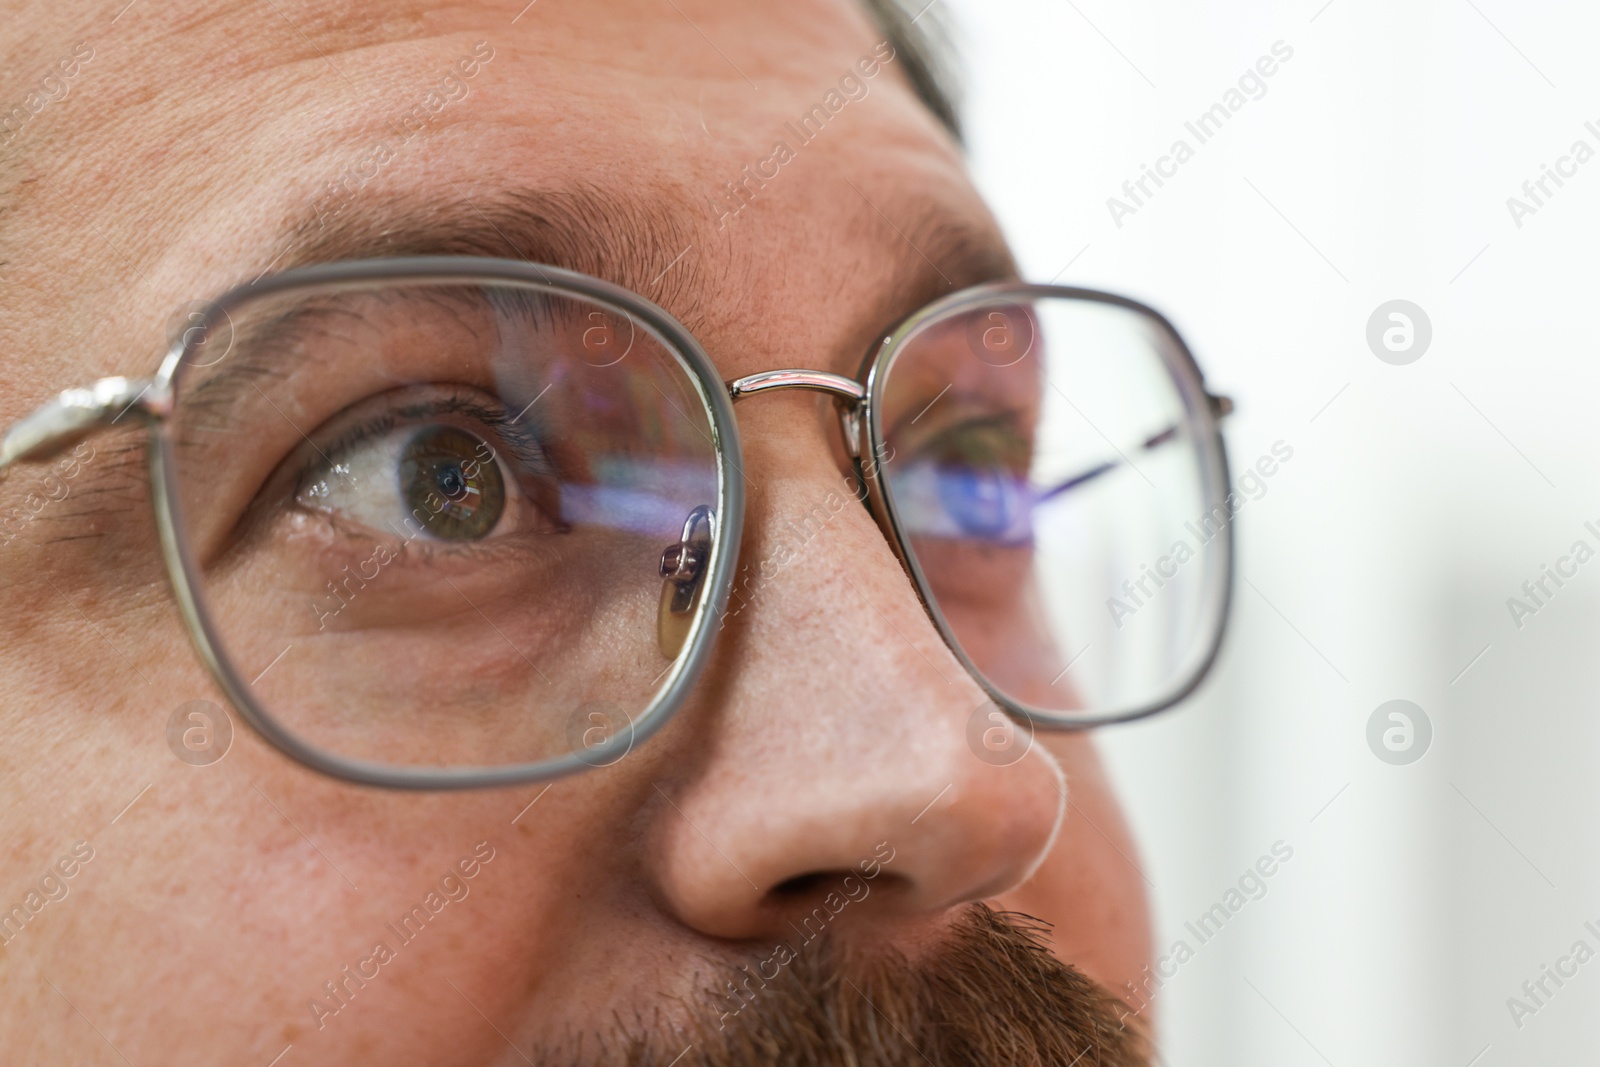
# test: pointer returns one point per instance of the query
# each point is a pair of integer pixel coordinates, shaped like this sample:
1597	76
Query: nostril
833	890
806	885
808	906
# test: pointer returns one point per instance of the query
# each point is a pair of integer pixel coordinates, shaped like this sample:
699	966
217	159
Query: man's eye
968	481
433	481
985	502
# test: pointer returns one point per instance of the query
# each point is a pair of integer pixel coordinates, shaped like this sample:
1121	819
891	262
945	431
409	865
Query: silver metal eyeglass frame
80	413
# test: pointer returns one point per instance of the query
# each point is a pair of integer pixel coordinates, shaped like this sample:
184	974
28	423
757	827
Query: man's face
218	913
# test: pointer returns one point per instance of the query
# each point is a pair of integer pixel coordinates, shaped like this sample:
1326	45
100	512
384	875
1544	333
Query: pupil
452	483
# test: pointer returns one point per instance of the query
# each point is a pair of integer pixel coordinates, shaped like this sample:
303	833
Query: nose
834	762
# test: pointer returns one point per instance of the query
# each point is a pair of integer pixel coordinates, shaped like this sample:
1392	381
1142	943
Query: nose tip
835	776
782	865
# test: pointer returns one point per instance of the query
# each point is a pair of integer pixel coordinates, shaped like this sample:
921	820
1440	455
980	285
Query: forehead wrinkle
880	272
289	33
939	251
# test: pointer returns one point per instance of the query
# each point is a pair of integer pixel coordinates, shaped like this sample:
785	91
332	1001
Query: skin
832	718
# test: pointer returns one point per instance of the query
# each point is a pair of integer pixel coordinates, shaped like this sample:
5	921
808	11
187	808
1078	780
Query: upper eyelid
527	443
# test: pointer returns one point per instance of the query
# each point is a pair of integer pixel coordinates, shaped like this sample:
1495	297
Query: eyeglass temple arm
850	393
1221	407
79	413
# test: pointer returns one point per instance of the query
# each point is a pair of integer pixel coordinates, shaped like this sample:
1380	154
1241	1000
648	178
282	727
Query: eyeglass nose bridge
848	394
835	385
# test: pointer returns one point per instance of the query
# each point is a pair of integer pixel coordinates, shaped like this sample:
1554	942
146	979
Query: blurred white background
1377	166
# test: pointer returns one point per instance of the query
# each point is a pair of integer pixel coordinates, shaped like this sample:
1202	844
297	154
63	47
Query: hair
990	992
923	43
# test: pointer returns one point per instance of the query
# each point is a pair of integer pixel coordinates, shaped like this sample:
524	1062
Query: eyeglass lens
1049	481
427	521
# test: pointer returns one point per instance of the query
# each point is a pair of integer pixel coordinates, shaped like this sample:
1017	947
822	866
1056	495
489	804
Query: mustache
991	993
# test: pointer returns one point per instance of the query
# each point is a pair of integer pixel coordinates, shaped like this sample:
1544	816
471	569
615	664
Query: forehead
201	145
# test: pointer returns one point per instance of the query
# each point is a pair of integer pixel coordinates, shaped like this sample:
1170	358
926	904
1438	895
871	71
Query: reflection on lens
427	519
978	473
1047	475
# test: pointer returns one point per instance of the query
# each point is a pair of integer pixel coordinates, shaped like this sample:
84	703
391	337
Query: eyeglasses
445	522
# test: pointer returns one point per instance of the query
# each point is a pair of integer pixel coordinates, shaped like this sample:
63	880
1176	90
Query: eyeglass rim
1201	407
728	522
76	414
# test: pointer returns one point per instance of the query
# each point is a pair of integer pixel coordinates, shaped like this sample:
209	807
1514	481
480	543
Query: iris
452	482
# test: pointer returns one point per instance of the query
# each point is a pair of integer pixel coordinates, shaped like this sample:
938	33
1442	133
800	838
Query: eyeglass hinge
77	413
1221	406
850	424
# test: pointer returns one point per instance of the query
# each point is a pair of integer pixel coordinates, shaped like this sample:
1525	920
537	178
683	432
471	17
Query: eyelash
523	440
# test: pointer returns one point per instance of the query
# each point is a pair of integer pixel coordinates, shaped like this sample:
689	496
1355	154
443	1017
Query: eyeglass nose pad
683	568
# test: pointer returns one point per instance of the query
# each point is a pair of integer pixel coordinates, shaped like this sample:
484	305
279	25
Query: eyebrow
624	239
650	244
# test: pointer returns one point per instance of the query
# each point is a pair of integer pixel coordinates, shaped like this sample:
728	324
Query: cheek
1088	887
